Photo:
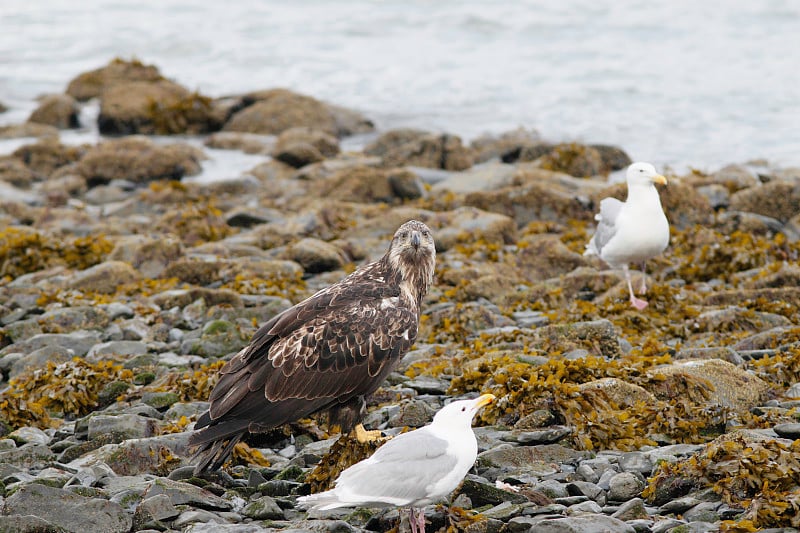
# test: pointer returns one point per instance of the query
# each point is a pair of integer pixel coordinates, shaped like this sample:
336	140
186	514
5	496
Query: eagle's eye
404	235
426	233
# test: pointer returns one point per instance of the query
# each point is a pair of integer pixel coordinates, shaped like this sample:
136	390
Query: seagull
632	231
413	469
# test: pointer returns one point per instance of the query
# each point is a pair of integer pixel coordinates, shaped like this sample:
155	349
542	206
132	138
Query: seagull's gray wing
606	227
401	471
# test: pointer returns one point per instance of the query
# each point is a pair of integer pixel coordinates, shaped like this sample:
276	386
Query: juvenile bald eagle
326	353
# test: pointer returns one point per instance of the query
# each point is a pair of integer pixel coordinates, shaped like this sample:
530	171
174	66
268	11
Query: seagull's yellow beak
483	400
658	178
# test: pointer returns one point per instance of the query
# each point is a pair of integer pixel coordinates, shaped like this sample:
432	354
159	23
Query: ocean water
680	83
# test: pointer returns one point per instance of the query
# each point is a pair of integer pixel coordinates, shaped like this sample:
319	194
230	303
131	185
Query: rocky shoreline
123	289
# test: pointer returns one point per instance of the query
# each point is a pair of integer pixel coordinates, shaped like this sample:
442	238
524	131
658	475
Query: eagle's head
413	255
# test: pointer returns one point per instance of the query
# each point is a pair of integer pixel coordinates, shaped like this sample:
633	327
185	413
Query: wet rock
104	278
138	456
717	195
264	508
14	171
725	353
570	524
105	350
625	486
67	510
407	147
486	177
506	146
731	221
574	159
732	386
788	430
121	427
28	524
620	392
150	256
77	342
276	110
597	336
470	225
413	414
91	84
613	157
181	493
481	493
777	199
324	144
529	460
363	184
315	255
29	456
59	110
545	256
139	160
27	129
218	337
210	297
153	511
160	107
632	509
405	184
47	155
30	435
736	318
249	143
532	202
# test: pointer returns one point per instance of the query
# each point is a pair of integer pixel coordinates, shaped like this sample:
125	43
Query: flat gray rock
67	510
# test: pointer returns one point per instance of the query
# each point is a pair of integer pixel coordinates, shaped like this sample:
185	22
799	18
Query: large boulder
276	110
575	159
155	107
777	199
91	84
531	202
47	155
138	159
420	148
545	256
59	110
105	278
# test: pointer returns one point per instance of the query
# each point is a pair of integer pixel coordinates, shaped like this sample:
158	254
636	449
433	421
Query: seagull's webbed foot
363	436
638	303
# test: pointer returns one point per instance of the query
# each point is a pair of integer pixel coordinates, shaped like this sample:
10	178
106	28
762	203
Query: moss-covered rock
92	83
59	110
777	199
47	155
105	278
138	159
420	148
574	159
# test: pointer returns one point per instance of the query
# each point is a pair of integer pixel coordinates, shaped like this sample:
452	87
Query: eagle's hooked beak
416	240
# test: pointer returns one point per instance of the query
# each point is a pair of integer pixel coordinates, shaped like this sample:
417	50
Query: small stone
624	486
121	427
788	430
702	512
264	508
543	436
587	507
29	434
635	462
631	510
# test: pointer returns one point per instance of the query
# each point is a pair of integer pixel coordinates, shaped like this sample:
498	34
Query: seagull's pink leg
636	302
412	520
420	521
643	286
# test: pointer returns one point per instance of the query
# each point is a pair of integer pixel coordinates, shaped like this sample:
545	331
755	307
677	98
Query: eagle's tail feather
216	443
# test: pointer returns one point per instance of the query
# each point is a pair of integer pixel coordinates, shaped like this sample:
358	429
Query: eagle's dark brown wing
337	345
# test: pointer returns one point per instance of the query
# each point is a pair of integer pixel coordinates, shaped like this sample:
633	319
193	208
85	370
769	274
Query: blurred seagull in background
632	231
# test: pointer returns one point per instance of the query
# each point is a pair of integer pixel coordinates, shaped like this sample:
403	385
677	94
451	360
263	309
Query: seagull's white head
461	412
644	174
